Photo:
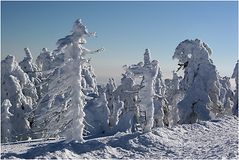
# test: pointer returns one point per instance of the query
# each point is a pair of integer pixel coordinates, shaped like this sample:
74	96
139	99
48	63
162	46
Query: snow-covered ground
215	139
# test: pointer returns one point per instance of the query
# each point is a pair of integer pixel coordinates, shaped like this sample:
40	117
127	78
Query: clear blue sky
124	29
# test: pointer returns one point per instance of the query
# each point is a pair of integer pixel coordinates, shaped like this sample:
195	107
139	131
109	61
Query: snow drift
215	139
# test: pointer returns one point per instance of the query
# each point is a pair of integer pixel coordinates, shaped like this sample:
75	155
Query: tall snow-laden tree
235	75
67	119
6	125
200	82
161	108
148	71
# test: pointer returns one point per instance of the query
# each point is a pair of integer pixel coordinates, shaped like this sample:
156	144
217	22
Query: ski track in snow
216	139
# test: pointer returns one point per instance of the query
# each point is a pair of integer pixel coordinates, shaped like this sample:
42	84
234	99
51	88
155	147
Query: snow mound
215	139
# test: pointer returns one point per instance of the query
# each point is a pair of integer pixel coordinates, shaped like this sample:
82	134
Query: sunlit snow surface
215	139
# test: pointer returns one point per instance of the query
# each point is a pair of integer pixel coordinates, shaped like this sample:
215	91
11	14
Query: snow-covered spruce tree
116	111
172	86
67	119
110	88
97	114
22	94
226	95
89	79
159	85
235	75
10	67
161	108
173	94
48	62
125	95
6	126
28	66
33	72
200	82
148	71
45	60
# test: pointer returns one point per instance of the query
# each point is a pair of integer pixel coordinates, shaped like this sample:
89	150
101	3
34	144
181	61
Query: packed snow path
216	139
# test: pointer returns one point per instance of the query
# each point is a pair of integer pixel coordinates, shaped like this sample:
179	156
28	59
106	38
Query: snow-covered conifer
159	84
97	114
28	66
161	110
103	113
110	88
235	75
67	80
159	104
200	82
174	95
17	87
226	95
148	71
89	79
6	125
10	66
21	105
32	70
44	60
126	92
116	111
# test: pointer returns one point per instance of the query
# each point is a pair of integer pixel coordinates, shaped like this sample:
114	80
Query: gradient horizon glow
125	30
